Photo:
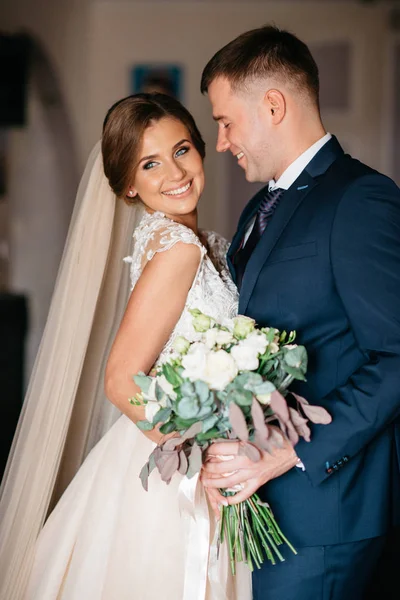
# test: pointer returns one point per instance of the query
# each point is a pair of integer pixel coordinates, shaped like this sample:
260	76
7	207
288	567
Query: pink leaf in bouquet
183	463
300	424
316	414
192	431
238	422
262	442
292	433
276	437
258	417
167	463
279	406
171	443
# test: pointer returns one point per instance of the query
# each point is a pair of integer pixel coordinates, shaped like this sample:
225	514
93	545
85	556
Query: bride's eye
182	151
149	165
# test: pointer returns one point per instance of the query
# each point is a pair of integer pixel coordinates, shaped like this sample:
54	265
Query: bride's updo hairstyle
123	129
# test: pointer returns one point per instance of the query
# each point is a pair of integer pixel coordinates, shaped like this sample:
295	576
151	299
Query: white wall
124	33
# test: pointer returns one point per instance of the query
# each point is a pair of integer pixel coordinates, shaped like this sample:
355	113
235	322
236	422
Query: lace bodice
213	291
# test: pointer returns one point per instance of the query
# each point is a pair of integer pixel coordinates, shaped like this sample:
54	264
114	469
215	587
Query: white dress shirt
289	176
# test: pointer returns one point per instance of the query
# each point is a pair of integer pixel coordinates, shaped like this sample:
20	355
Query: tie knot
270	200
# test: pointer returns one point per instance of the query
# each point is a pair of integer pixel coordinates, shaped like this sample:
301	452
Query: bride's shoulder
158	233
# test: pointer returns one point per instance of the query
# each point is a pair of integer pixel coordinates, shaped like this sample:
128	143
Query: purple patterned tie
265	211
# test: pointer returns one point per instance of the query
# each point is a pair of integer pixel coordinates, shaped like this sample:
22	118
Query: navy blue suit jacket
328	266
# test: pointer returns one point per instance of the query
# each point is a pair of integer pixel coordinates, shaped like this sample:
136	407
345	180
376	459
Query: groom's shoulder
350	172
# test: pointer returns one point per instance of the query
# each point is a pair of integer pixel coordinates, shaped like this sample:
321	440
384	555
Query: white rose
220	370
166	386
151	393
246	357
194	362
224	337
152	405
151	409
217	337
181	344
210	338
228	323
243	326
257	341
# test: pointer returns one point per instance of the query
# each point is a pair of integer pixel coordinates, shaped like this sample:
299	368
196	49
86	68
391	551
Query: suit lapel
292	199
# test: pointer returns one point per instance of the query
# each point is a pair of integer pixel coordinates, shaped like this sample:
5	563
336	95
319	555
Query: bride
107	538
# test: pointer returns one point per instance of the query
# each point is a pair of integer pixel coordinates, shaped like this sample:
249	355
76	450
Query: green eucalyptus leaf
297	358
187	389
168	427
188	407
145	425
253	380
209	423
171	375
241	397
241	380
202	391
159	392
269	334
296	373
195	461
162	416
144	476
212	434
184	423
266	387
143	381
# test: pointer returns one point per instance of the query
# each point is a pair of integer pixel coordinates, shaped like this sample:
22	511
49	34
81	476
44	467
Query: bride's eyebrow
182	142
150	157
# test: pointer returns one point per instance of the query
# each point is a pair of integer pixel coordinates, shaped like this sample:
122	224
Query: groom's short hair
260	53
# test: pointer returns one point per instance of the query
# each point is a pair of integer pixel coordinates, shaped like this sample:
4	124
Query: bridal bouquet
230	384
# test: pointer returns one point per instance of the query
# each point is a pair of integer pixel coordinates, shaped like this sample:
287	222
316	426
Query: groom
317	250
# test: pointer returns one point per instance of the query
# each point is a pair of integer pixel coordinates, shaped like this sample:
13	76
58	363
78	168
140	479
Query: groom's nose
222	141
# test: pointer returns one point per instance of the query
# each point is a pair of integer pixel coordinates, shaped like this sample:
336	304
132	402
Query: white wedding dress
109	539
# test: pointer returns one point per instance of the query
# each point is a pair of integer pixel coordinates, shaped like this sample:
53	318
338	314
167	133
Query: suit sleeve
365	259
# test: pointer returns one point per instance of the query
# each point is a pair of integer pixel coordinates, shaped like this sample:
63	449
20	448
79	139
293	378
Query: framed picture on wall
164	78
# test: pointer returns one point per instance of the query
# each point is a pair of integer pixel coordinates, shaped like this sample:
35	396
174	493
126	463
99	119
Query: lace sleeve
157	233
165	237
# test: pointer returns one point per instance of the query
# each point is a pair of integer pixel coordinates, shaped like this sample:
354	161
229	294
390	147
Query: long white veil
65	411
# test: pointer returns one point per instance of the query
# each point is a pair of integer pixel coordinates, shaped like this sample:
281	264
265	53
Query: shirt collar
293	171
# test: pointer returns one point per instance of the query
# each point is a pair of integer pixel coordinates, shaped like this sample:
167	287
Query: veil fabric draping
65	411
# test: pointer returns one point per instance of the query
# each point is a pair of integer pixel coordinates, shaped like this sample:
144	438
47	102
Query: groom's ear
276	105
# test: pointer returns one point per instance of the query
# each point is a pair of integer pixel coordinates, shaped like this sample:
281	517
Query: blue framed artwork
164	78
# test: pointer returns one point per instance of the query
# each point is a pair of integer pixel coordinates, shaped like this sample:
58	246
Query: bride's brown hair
123	129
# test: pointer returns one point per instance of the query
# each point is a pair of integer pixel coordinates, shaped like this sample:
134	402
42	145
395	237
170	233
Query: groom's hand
225	468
